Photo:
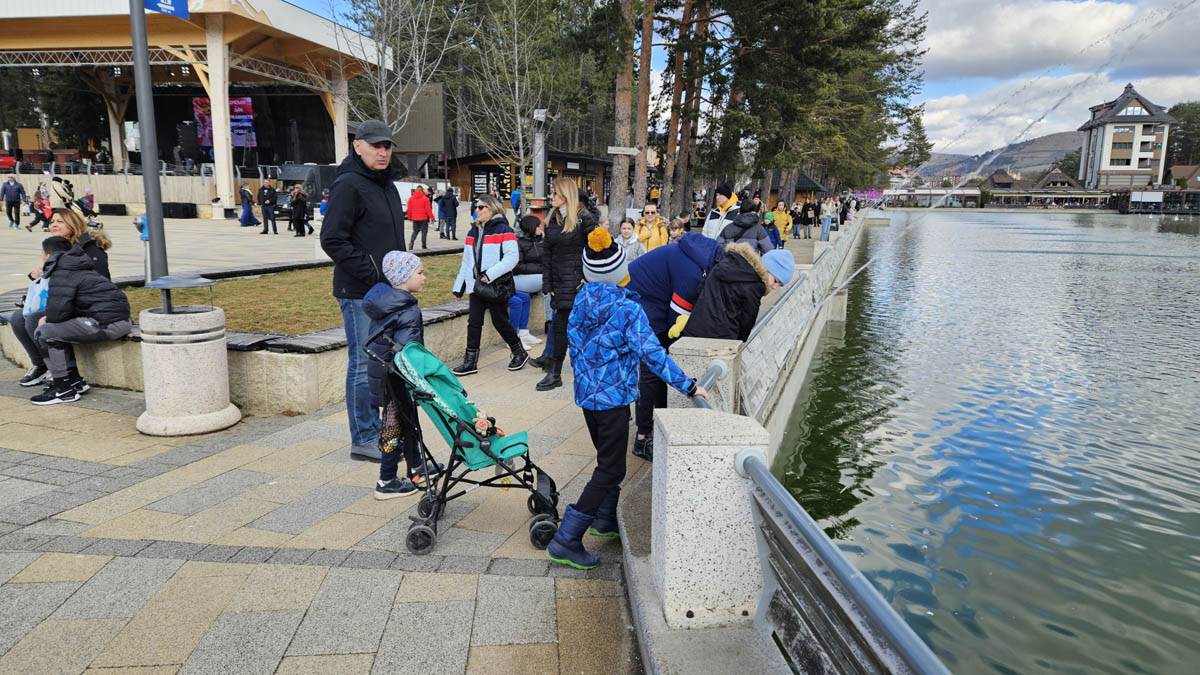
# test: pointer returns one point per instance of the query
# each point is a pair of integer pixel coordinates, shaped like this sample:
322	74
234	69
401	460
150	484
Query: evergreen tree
1184	140
1070	164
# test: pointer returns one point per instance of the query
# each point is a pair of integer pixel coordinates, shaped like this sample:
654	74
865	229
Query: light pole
149	140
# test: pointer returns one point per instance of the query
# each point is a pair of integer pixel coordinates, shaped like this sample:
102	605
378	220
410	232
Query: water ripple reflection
1005	438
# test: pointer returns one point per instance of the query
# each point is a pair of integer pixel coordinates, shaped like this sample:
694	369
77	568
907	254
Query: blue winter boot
567	545
605	524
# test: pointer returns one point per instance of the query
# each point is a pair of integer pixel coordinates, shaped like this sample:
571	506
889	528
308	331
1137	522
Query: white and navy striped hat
603	260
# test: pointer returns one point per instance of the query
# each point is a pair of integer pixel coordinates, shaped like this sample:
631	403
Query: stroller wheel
425	506
542	531
537	508
420	539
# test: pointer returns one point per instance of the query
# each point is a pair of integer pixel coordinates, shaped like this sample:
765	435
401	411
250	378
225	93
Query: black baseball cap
373	131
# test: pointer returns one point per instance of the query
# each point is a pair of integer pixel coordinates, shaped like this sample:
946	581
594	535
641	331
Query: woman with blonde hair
71	226
570	222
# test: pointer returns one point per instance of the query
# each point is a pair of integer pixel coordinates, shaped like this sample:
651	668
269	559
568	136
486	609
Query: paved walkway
260	549
192	245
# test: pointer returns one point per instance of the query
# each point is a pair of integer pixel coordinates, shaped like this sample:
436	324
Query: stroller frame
447	486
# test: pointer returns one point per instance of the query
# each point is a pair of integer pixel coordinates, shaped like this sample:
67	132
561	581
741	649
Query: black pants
269	217
408	447
420	227
499	312
559	326
652	393
452	228
13	211
609	430
298	226
39	217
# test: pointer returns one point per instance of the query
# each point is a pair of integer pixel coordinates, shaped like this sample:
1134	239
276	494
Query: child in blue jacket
608	336
393	309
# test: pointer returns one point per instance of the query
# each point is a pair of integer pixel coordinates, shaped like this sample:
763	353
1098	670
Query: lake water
1006	439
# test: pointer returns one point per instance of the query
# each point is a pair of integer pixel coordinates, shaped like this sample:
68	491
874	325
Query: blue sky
993	67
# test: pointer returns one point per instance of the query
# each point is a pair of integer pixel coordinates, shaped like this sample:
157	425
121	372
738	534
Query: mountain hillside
1028	157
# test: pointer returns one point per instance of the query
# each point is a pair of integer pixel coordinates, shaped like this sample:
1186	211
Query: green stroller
432	386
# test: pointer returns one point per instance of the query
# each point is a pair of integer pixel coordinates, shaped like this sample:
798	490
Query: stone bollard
694	355
703	548
185	372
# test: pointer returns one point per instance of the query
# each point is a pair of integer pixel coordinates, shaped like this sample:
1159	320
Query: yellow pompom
599	239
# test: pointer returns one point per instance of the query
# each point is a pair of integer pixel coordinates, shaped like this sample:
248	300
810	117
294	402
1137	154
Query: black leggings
408	446
609	430
559	326
499	312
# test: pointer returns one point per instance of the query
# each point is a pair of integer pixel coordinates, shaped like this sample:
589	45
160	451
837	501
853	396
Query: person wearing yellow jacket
783	222
652	229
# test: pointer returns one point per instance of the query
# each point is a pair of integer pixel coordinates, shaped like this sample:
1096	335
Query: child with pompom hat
608	335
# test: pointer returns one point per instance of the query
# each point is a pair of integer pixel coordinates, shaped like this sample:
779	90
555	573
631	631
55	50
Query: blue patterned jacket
608	334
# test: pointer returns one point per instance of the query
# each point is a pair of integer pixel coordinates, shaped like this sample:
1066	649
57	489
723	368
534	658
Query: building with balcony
1124	143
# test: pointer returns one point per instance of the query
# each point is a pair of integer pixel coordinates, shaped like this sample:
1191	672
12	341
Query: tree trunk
622	107
787	191
677	86
642	124
689	133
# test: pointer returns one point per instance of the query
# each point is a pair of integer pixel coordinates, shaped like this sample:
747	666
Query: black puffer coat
747	228
529	243
98	255
728	304
364	221
562	256
78	290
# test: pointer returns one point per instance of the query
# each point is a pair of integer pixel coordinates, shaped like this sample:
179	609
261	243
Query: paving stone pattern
261	549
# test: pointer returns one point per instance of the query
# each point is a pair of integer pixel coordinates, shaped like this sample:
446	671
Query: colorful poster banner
241	122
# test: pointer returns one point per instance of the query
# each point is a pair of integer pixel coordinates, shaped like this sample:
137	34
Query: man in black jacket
81	307
266	202
365	221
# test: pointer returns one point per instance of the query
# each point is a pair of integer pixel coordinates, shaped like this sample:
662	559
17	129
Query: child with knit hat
396	317
608	336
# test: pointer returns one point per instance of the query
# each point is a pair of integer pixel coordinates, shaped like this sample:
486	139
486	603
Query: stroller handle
366	346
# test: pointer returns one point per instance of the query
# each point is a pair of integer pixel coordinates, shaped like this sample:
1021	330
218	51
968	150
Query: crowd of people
614	303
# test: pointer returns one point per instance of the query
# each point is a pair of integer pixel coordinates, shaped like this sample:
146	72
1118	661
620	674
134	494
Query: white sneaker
528	338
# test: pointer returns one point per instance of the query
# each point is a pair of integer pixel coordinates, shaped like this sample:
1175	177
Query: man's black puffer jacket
365	220
729	299
562	256
78	290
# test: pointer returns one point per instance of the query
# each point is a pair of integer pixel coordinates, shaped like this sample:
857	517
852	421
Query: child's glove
677	329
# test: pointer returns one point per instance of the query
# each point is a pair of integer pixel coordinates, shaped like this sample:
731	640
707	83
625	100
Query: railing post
694	355
703	549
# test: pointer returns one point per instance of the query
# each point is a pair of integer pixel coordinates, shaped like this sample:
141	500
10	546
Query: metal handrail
895	633
717	370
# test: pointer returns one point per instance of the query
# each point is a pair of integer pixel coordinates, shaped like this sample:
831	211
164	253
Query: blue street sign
177	8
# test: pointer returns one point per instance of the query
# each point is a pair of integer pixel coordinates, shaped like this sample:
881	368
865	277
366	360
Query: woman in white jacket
493	243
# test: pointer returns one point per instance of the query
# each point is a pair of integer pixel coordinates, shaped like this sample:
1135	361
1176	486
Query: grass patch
292	303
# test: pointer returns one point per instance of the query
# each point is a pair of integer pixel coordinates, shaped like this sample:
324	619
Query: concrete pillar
185	372
218	86
341	118
703	550
694	355
837	305
116	133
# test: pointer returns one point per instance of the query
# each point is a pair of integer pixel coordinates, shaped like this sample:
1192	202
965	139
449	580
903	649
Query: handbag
497	290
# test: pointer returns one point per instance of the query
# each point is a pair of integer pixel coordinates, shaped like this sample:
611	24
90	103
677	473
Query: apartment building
1124	143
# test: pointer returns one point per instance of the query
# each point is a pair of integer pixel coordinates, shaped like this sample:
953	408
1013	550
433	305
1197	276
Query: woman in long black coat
299	217
566	232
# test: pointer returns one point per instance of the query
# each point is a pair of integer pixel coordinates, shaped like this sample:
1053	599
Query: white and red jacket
498	253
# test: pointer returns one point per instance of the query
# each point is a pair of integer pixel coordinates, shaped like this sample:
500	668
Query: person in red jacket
420	212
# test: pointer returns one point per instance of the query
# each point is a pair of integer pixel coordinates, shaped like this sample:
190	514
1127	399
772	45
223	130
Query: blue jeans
825	223
518	310
364	417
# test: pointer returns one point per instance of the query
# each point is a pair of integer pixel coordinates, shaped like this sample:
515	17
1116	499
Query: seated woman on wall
71	226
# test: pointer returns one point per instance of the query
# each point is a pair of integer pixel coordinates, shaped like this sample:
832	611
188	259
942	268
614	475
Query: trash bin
185	368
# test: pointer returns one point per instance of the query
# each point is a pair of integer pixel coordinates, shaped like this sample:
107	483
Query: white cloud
1016	104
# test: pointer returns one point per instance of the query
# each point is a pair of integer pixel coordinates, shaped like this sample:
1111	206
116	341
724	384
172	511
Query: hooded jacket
718	219
12	191
447	207
78	290
497	252
562	255
529	245
395	312
728	304
364	221
747	228
608	335
667	279
419	207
